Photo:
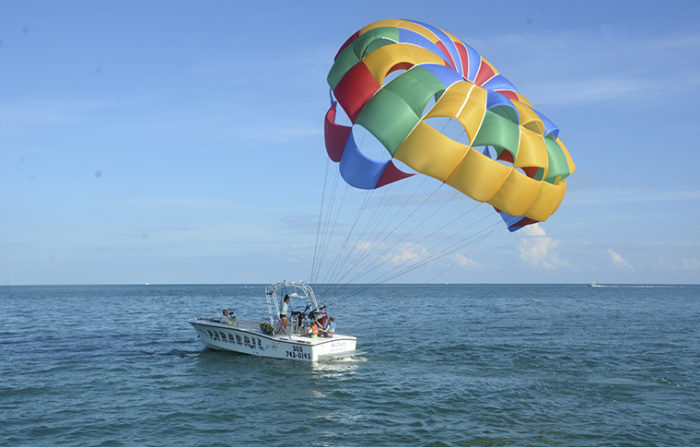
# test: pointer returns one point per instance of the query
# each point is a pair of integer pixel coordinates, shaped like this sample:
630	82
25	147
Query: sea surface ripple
443	365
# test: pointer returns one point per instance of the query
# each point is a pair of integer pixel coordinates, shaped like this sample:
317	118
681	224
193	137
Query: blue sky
181	142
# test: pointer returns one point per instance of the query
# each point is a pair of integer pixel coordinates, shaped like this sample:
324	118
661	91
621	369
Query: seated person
226	319
314	329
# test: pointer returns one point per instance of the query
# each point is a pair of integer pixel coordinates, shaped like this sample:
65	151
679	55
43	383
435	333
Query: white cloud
539	250
363	246
25	116
406	253
464	261
236	124
595	90
630	65
618	260
534	230
601	196
178	202
692	264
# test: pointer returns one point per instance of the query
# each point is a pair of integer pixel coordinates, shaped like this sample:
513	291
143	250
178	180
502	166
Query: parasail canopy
513	157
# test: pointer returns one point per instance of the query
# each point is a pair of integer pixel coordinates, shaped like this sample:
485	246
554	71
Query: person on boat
283	315
314	329
329	331
323	317
226	319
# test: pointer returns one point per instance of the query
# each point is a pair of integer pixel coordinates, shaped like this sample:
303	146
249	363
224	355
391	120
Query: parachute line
388	234
382	235
320	218
471	242
328	225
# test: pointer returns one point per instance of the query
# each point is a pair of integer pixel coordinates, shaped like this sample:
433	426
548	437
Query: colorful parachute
524	180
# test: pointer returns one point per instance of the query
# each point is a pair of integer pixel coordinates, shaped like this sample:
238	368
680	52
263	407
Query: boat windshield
302	304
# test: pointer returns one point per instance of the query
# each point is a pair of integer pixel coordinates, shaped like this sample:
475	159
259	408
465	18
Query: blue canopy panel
495	99
362	172
447	42
514	223
412	37
499	82
550	129
446	75
357	169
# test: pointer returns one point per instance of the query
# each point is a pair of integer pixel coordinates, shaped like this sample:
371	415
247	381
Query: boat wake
633	286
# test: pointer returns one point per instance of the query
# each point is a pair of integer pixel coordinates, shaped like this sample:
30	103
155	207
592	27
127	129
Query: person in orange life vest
314	329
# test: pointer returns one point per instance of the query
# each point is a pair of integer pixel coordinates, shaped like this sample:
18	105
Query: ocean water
443	365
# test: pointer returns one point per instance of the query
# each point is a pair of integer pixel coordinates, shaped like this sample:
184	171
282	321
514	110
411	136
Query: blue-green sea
442	365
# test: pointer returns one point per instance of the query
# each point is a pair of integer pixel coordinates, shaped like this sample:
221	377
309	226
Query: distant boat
595	285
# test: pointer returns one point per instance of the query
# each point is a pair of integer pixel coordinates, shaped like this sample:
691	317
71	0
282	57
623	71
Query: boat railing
242	324
248	324
293	328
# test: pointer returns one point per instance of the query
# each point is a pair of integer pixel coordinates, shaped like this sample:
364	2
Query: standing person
330	329
283	315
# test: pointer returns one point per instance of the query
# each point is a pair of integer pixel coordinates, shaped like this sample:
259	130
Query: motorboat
269	338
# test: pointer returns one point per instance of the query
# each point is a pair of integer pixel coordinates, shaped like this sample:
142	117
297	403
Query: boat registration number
298	353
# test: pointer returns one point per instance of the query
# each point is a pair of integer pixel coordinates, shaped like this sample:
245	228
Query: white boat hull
246	338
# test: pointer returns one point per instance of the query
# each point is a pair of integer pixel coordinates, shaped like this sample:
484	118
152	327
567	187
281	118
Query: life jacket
267	328
314	330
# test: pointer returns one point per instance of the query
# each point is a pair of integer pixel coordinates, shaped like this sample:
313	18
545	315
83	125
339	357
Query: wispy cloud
28	115
146	233
619	261
248	123
173	202
363	246
600	196
692	264
689	264
465	262
596	89
406	253
584	67
537	249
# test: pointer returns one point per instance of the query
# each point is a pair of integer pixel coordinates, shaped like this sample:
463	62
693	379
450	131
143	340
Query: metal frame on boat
269	339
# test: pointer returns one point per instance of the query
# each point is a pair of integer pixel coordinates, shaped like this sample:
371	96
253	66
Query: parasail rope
472	241
440	251
326	233
466	242
385	233
320	218
352	229
410	232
